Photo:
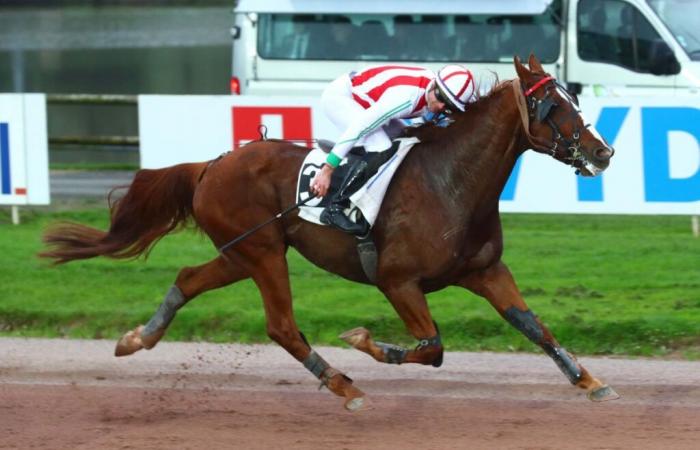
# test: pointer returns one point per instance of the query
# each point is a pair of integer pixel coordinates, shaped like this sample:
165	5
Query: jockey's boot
334	214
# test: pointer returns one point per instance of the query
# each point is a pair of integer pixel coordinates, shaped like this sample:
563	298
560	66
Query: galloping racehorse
439	226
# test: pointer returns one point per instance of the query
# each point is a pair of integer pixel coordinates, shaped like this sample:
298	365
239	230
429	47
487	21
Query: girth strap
368	256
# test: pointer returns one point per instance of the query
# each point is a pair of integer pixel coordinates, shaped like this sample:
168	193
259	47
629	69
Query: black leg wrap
427	342
315	364
173	301
565	362
525	322
393	354
321	369
434	341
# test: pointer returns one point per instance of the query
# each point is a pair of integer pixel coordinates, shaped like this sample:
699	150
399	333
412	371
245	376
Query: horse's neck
482	151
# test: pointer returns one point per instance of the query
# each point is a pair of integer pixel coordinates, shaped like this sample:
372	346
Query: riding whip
257	227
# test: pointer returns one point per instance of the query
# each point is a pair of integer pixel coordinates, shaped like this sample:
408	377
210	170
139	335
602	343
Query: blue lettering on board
608	125
6	185
658	184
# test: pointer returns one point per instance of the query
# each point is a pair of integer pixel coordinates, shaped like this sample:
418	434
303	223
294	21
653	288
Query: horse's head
554	124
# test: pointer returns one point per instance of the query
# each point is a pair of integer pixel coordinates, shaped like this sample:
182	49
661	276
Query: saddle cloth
366	200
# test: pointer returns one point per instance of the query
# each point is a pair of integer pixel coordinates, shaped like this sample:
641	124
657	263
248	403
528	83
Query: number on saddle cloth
374	161
337	178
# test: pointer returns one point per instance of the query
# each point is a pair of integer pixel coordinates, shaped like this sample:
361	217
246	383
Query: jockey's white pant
343	111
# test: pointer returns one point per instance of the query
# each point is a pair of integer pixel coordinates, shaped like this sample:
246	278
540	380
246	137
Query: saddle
366	249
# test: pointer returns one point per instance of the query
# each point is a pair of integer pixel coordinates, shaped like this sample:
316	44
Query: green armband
333	160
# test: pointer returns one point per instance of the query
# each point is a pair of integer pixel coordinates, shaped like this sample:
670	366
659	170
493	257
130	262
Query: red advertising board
295	122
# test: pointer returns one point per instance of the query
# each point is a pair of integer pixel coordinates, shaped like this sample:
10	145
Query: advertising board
24	162
655	170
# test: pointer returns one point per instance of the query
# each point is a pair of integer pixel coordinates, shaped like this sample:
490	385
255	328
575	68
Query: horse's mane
429	131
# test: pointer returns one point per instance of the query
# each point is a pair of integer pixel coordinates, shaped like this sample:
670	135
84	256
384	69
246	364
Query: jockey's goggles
442	98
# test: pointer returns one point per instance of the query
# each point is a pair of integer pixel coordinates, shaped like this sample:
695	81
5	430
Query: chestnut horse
439	226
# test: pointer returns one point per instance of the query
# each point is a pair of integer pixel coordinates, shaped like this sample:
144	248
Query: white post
15	215
695	223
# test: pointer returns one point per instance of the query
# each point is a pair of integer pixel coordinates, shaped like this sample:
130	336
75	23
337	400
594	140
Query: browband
538	84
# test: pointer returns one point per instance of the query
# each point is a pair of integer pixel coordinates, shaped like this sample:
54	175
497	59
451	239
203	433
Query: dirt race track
59	394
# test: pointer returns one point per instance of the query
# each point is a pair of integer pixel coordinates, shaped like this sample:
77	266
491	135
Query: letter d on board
658	184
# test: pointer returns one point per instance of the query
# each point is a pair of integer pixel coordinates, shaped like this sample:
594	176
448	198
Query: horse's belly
327	248
488	254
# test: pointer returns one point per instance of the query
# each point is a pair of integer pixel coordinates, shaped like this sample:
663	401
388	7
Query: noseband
566	150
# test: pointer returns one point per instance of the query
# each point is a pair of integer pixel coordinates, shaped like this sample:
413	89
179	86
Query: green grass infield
612	285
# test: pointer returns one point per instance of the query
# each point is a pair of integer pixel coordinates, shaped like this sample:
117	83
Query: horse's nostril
603	153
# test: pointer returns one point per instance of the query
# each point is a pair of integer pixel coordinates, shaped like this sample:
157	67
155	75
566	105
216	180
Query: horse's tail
156	203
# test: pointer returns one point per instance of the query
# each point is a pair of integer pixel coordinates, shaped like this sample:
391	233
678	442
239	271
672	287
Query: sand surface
73	394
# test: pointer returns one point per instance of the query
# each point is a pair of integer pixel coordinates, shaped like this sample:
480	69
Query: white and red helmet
457	84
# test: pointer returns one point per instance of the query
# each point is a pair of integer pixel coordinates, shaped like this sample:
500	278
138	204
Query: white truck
635	62
598	47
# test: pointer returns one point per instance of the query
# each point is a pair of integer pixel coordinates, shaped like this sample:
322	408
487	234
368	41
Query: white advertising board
655	170
175	129
24	161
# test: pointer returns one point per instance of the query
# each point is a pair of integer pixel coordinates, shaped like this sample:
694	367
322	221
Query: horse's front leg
496	284
410	303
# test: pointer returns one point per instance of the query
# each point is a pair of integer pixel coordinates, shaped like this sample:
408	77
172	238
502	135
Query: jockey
363	103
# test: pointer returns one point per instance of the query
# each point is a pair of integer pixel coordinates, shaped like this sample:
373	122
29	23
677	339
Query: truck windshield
682	18
405	37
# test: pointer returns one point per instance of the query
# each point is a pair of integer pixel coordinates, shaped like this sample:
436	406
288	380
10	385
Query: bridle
564	149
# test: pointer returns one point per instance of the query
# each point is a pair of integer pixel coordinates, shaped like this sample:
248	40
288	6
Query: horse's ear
521	70
534	64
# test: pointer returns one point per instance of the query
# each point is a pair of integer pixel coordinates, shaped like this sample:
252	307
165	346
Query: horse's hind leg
190	282
496	284
272	278
410	303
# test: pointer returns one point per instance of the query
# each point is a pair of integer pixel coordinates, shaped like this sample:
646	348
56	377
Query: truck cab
598	47
632	47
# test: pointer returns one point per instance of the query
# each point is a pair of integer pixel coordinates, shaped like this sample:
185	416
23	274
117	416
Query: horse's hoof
355	337
151	340
130	342
603	394
356	404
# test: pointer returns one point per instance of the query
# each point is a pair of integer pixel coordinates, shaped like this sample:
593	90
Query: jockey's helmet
456	84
